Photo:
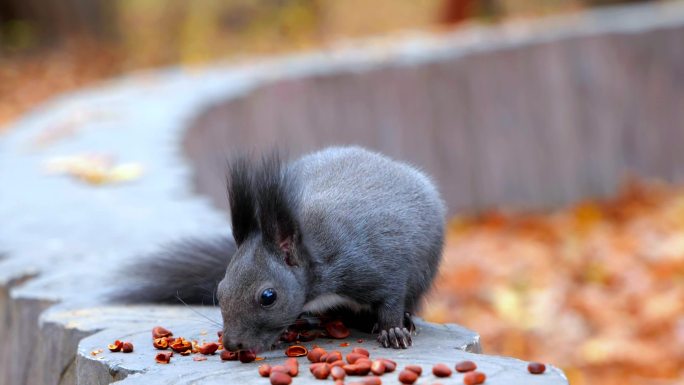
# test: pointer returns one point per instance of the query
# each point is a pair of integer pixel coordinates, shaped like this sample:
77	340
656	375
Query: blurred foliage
155	32
198	31
597	288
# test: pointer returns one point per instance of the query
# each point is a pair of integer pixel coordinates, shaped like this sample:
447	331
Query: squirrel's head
265	285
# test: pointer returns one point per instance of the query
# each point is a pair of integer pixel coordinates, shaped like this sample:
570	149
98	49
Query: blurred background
596	287
50	46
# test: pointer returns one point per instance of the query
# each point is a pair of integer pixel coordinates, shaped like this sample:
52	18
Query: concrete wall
522	116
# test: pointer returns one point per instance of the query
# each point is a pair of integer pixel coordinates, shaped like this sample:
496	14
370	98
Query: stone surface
114	366
62	241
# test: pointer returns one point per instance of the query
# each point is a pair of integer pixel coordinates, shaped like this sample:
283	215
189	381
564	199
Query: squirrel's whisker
198	313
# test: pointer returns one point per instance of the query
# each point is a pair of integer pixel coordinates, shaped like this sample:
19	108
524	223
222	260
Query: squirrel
343	227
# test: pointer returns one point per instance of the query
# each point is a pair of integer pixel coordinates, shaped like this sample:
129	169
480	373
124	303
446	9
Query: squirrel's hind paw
398	338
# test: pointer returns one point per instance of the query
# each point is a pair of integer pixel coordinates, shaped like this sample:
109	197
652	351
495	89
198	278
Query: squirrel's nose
234	347
231	345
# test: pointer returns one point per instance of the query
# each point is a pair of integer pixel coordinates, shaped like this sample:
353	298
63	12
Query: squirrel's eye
268	297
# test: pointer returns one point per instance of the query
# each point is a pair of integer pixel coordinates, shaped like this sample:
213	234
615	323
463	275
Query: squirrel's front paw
398	338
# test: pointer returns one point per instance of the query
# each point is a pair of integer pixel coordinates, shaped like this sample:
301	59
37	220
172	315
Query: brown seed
465	366
296	351
293	371
313	366
367	381
389	365
164	357
292	366
441	370
280	368
408	377
208	348
315	354
350	369
364	366
474	378
360	368
321	372
415	368
158	332
292	362
336	329
361	351
265	370
353	357
127	347
280	378
333	356
160	343
378	367
337	373
116	346
339	363
181	345
372	380
227	355
185	353
536	368
246	356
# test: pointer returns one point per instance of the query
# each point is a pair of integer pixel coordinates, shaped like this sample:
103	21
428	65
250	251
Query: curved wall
526	116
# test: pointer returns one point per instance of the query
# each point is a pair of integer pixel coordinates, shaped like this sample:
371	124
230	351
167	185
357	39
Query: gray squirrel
343	227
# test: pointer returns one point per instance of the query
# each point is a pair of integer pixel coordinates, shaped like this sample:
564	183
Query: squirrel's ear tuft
241	198
275	201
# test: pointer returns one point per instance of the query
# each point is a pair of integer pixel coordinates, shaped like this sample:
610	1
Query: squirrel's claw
393	338
383	338
398	338
408	341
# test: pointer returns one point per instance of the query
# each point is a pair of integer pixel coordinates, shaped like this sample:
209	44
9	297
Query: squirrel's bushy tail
187	271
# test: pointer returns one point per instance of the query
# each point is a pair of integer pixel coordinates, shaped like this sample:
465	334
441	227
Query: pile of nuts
323	365
120	346
162	339
358	363
302	331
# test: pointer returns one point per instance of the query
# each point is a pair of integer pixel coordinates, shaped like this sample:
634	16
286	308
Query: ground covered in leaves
597	288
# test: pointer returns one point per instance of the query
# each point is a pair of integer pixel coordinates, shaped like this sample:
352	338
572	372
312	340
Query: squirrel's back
363	209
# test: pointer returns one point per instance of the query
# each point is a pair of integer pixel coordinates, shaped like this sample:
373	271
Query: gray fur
340	227
187	271
366	227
